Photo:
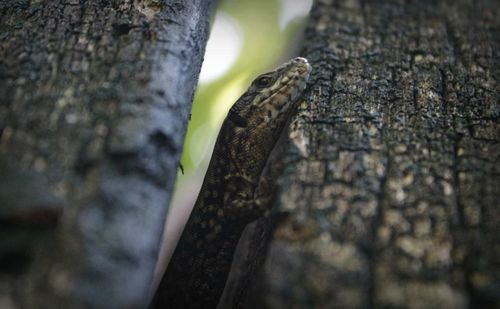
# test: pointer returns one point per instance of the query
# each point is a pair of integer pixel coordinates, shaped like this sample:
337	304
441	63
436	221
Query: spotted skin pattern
228	201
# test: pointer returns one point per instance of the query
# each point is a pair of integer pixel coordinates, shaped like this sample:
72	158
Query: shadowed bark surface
391	182
94	101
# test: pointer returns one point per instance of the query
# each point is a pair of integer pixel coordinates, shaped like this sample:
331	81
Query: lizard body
228	200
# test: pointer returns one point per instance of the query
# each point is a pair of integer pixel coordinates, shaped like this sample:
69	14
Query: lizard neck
198	269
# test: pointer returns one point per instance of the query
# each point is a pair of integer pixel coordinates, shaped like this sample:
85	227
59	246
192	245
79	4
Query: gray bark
94	102
389	197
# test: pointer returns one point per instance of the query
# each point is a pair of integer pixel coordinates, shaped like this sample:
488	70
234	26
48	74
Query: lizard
229	197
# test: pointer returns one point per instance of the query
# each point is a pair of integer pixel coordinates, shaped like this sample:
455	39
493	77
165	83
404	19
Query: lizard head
271	95
256	120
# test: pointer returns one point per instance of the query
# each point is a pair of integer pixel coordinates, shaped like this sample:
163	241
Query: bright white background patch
292	9
223	47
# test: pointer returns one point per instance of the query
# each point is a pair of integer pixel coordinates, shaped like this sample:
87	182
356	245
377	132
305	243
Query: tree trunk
95	97
392	179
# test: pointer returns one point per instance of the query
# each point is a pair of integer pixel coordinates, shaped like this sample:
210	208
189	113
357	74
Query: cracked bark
95	97
392	179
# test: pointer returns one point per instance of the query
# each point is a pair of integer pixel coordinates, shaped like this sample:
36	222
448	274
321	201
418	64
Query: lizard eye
263	81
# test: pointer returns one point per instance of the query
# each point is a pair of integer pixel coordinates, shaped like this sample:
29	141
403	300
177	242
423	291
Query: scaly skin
228	201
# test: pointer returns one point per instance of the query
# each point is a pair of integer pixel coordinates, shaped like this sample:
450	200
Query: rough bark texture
392	178
95	97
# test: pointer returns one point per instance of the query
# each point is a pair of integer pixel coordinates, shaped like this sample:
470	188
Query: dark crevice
454	44
160	140
123	28
376	222
15	262
456	181
444	92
